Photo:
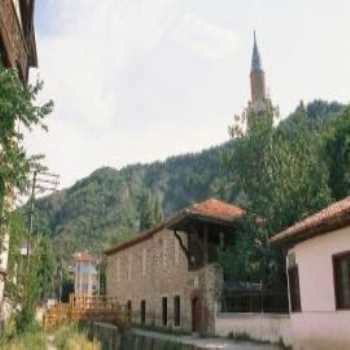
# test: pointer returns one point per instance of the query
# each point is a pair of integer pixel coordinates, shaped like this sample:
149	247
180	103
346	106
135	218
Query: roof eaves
328	224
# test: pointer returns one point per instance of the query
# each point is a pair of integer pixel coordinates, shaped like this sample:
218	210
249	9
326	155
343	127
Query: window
143	311
144	262
165	311
341	265
129	310
294	288
177	311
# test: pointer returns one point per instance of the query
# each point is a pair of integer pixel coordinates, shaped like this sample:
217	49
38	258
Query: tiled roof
210	209
83	256
334	216
217	209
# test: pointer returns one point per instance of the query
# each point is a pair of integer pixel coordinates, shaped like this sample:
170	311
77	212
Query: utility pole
42	182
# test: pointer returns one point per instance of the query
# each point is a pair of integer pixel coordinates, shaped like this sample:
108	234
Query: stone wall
156	268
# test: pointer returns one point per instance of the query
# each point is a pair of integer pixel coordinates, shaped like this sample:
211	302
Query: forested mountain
104	207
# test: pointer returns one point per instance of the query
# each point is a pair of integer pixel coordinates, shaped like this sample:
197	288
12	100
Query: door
196	314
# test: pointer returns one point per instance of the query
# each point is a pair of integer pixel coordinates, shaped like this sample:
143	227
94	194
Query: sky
142	80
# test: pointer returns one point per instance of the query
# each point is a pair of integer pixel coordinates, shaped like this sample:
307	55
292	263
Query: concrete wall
320	325
157	268
262	327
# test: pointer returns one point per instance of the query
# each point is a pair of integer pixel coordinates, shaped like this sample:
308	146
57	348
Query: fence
86	308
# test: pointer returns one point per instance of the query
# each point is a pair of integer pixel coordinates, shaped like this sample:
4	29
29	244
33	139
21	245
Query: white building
86	277
318	267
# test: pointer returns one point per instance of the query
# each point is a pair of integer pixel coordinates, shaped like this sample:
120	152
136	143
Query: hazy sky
141	80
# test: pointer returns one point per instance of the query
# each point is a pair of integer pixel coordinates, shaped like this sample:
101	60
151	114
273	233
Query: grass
34	341
72	338
32	338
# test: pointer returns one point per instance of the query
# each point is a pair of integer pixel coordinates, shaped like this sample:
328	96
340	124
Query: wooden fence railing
86	308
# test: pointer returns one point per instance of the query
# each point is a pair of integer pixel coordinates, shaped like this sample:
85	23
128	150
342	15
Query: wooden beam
182	245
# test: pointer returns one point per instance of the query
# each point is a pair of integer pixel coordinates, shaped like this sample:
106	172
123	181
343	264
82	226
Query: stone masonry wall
157	268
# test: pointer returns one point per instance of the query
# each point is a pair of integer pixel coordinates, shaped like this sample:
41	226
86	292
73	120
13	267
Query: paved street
208	343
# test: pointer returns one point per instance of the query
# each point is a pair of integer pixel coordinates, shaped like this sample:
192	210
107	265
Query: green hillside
103	208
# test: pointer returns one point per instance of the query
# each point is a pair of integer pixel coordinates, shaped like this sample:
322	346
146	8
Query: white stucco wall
319	325
262	327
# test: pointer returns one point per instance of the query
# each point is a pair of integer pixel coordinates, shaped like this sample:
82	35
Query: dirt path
50	342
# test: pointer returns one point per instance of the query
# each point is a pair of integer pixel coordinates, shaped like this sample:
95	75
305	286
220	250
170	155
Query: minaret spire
257	76
260	104
256	59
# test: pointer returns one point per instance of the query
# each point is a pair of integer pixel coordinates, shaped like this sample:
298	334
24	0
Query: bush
71	338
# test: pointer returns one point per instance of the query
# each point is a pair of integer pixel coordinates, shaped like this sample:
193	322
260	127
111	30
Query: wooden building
17	37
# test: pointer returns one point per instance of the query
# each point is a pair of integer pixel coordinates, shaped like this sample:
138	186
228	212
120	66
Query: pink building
318	268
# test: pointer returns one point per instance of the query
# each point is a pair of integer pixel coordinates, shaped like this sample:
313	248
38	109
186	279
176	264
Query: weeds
71	338
30	340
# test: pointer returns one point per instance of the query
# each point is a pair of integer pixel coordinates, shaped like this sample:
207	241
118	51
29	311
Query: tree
158	212
337	154
18	107
37	282
18	110
30	279
284	178
150	211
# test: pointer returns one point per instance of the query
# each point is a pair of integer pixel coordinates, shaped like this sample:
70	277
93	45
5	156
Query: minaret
260	103
257	79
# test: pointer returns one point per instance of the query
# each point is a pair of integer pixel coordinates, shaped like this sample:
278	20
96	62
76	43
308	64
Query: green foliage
34	281
284	178
337	154
28	282
104	208
150	211
18	106
34	340
73	338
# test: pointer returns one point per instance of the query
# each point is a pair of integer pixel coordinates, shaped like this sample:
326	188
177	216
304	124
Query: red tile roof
210	209
83	256
217	209
334	216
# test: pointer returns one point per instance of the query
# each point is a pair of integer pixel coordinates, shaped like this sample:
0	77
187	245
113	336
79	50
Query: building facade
318	270
86	276
169	276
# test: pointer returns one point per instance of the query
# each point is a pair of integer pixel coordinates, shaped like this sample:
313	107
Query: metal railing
255	302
